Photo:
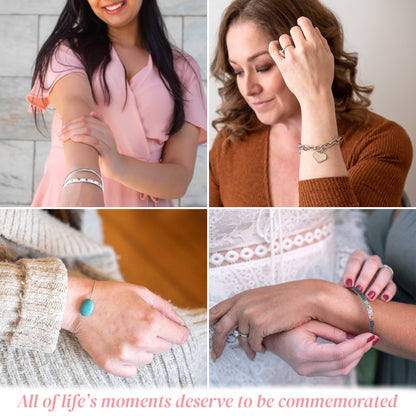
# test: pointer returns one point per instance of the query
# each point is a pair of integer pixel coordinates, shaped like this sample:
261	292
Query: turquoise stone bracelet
86	308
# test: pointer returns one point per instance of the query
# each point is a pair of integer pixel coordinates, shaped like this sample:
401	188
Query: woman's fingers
388	293
308	31
255	339
220	309
297	36
369	275
275	52
246	347
91	125
353	268
382	281
162	305
243	331
166	329
346	355
369	270
223	327
336	358
98	144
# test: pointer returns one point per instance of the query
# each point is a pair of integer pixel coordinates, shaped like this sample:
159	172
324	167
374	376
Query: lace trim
261	251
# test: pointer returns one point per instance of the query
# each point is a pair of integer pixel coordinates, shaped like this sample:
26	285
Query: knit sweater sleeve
32	302
214	161
378	159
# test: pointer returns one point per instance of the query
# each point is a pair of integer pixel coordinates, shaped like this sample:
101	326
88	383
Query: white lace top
250	248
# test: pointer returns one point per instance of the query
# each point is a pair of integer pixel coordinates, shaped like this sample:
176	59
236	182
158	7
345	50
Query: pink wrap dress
139	122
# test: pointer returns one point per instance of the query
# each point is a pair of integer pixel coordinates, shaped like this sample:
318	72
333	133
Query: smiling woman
294	127
130	110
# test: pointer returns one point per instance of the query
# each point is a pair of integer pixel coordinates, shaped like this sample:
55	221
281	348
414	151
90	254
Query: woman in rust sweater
294	125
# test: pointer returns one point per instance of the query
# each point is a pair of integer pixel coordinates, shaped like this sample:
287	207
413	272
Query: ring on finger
237	334
385	266
282	51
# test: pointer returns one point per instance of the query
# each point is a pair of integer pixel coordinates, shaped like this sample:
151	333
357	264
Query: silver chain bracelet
319	150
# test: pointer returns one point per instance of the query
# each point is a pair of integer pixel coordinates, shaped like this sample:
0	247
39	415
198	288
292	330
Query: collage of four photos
207	194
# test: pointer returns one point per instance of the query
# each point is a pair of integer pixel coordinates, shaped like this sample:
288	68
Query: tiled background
24	26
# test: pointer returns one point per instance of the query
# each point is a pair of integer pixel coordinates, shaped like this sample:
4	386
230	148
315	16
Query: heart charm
320	157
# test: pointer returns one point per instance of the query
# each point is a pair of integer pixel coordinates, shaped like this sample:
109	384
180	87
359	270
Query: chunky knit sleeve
378	157
32	301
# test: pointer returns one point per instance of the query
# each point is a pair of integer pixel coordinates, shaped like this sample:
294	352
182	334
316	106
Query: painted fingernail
349	282
371	295
375	341
385	297
371	338
359	287
213	356
350	336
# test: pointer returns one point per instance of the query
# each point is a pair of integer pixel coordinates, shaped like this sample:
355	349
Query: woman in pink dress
130	110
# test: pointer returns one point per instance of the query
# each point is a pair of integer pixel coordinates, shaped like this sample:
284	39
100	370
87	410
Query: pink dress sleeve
195	103
63	62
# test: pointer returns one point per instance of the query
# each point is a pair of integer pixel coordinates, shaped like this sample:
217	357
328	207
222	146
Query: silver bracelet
84	180
83	170
319	150
367	306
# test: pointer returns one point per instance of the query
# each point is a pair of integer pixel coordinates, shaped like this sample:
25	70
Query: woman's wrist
340	307
78	290
315	102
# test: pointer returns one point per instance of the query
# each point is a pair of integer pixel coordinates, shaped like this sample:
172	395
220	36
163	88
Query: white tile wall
24	26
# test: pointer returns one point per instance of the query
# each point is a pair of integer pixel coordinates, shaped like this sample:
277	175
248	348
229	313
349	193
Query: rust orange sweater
377	155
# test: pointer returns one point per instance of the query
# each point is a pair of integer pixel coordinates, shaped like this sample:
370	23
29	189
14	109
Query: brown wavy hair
274	18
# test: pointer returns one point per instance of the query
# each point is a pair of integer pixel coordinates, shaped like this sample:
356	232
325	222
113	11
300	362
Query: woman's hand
261	312
128	326
308	64
369	275
300	349
93	131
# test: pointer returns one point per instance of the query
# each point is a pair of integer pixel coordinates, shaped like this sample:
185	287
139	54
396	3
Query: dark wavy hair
274	18
87	36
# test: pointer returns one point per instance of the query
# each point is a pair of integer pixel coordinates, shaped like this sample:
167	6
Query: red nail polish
371	295
385	297
375	341
349	282
350	336
371	338
359	288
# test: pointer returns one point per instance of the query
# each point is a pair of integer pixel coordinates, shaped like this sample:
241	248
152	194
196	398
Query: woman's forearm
161	180
168	179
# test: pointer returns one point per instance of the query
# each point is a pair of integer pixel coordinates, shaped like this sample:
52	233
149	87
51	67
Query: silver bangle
319	150
83	180
367	306
83	170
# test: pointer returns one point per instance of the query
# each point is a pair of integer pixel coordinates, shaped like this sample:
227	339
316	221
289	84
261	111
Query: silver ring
239	334
282	51
385	266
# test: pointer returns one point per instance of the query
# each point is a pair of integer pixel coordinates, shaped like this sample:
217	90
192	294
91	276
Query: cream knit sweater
37	251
